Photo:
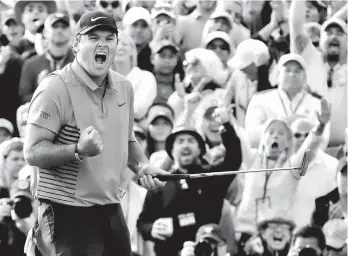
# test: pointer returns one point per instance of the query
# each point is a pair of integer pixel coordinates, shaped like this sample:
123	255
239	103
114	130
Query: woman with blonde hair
272	193
144	82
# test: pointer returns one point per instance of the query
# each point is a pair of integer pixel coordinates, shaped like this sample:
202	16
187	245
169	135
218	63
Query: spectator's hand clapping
335	210
221	115
325	114
165	31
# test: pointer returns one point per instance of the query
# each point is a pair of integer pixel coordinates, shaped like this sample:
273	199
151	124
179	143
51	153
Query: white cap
217	35
222	14
292	57
335	231
4	123
337	22
245	53
163	8
136	13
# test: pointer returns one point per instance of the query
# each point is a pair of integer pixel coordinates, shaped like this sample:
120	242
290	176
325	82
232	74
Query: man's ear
75	45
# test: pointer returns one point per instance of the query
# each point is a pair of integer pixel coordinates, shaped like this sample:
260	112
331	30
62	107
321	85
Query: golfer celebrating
80	137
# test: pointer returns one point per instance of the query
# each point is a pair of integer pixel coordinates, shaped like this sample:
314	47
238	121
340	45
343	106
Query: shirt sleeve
45	108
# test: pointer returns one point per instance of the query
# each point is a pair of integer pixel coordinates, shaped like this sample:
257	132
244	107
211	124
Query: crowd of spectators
219	85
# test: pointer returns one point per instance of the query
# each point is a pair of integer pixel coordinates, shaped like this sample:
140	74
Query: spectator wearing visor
125	63
220	43
164	21
287	101
58	54
137	24
250	66
335	232
32	14
327	72
165	60
173	214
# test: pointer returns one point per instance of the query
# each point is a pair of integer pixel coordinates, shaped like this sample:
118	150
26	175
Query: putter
167	177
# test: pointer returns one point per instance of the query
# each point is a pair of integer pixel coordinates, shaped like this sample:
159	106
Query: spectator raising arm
313	141
299	37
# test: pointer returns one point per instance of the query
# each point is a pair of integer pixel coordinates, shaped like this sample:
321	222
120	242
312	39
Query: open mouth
277	240
186	152
100	57
334	45
274	145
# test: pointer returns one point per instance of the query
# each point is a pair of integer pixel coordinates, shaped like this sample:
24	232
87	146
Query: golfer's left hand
147	174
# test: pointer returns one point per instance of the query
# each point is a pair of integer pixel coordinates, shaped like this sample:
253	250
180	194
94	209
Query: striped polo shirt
68	101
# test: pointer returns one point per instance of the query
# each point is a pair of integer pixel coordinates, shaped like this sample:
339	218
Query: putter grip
172	177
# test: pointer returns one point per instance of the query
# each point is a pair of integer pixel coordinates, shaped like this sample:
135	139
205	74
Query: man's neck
58	52
292	93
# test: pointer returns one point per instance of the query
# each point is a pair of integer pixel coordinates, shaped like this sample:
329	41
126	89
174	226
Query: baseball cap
222	14
14	143
56	16
210	231
20	187
335	231
263	224
163	8
244	55
4	123
136	13
165	43
159	111
217	35
20	5
94	19
334	22
292	57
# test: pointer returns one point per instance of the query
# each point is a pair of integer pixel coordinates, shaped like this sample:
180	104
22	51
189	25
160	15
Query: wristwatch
77	157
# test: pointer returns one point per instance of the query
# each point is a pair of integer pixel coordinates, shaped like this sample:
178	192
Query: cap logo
60	15
94	19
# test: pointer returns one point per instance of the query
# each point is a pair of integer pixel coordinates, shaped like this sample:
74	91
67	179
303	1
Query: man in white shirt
327	69
320	178
288	101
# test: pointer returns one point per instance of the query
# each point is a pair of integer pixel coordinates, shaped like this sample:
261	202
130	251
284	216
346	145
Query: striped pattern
59	184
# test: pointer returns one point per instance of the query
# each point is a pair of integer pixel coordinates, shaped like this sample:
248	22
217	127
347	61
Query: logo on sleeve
44	114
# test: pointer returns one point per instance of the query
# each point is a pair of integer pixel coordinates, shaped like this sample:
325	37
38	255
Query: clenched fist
90	143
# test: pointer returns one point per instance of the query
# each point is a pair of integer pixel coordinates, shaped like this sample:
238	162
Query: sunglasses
316	44
299	135
114	4
223	47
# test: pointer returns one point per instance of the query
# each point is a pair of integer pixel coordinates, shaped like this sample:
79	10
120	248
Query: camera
307	252
21	206
206	247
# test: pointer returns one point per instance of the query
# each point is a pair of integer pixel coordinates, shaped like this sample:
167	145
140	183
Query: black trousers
81	231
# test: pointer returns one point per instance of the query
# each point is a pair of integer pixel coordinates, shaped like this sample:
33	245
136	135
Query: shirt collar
296	98
84	77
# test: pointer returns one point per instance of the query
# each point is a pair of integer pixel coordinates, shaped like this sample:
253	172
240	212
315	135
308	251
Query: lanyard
296	107
268	175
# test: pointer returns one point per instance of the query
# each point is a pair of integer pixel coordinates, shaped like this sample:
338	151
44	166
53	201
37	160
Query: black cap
94	19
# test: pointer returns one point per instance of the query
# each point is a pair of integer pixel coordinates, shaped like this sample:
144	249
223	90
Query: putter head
304	165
